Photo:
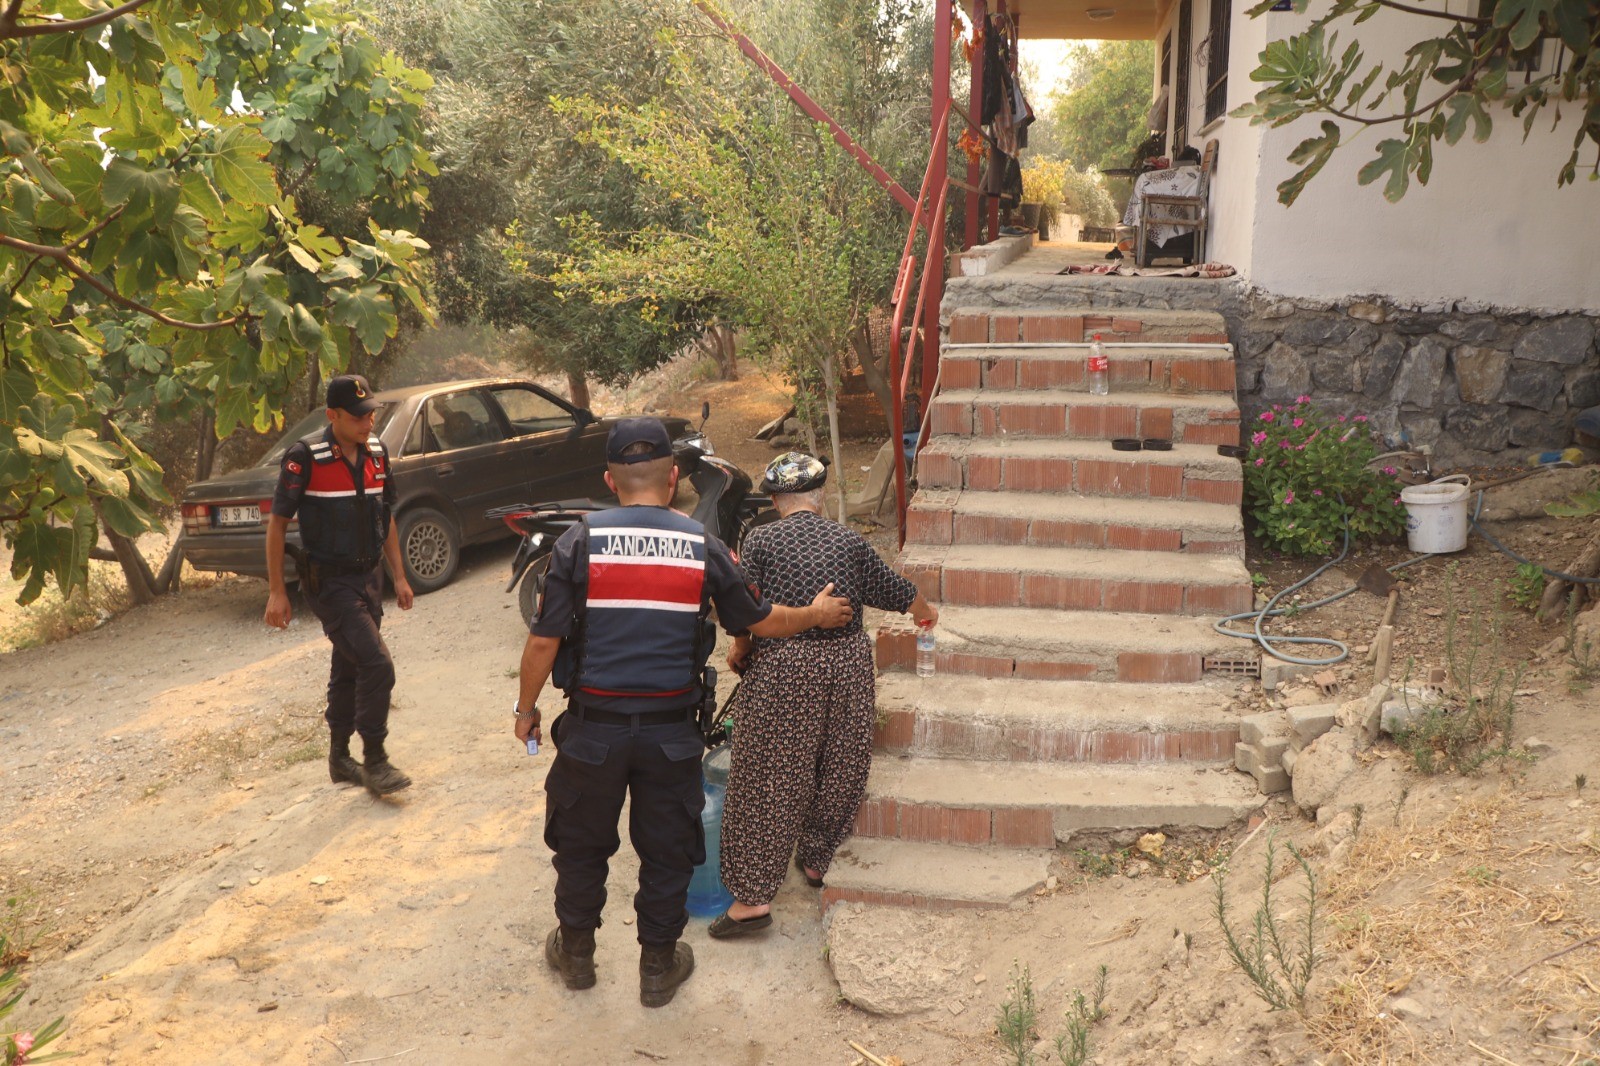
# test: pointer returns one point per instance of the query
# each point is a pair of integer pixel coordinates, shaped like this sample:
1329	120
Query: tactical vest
343	523
641	614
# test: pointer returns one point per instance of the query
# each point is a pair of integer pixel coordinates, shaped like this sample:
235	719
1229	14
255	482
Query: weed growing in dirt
1526	587
1094	865
1019	1014
1473	726
20	1045
1579	781
22	926
52	618
1072	1046
1280	972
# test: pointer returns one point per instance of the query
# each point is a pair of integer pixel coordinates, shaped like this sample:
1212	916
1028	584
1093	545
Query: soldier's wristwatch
521	713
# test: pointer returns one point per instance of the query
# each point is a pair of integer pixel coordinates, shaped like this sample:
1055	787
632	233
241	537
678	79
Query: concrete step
1087	467
1055	721
1181	370
932	876
1060	413
1033	644
948	516
1040	805
1079	579
1073	324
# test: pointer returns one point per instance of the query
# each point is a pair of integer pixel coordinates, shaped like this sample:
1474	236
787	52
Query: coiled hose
1271	610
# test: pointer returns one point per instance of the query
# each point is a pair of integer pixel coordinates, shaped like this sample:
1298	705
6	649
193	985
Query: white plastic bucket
1436	514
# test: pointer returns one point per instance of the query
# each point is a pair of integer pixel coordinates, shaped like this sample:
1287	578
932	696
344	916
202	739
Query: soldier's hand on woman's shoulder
836	610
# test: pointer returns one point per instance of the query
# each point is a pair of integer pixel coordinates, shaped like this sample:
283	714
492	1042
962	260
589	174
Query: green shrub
1306	475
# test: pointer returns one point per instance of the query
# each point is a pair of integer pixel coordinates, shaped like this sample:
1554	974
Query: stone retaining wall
1468	382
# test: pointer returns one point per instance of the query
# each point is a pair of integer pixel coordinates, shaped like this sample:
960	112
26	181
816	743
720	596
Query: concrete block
1399	715
1246	757
1309	723
1253	728
1273	750
1272	780
1274	670
1289	757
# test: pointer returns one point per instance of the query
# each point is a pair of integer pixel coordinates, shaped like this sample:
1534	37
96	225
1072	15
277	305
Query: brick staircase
1077	585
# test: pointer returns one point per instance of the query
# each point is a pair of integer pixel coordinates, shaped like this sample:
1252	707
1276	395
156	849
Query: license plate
248	514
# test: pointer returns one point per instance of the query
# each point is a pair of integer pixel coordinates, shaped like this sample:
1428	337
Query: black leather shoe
662	968
571	952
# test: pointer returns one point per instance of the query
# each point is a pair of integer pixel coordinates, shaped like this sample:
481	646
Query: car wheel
531	590
430	548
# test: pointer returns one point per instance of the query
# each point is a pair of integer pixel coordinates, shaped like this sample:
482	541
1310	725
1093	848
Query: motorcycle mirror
705	412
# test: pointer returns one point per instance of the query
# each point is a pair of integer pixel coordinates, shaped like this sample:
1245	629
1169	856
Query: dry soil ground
197	892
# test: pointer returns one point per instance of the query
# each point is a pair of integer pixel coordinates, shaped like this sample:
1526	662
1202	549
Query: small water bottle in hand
924	649
1099	369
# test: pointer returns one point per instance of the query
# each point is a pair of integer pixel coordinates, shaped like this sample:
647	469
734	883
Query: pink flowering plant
1306	475
22	1046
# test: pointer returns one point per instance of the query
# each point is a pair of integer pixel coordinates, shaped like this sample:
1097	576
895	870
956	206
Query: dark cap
631	431
794	472
350	392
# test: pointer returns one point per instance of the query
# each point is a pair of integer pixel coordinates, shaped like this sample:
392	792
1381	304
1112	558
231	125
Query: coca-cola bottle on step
1099	369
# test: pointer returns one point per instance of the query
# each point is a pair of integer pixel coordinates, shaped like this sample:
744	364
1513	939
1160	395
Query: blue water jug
707	896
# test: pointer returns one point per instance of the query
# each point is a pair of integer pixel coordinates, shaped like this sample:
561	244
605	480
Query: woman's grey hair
789	502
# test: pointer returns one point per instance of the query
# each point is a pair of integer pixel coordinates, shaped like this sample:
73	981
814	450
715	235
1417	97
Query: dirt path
206	896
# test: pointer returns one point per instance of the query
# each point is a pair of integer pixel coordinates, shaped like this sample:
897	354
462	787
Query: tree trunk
1554	603
578	388
205	458
876	374
141	582
830	388
315	389
170	579
720	343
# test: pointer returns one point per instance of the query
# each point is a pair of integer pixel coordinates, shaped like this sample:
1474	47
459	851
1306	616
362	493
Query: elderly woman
802	738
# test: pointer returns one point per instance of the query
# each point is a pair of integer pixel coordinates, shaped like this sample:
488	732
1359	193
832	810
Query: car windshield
313	423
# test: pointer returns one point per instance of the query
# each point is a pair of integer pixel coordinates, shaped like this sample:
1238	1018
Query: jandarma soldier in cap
625	603
340	486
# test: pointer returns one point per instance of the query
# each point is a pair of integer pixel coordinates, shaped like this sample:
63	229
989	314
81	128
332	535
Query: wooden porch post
943	14
975	201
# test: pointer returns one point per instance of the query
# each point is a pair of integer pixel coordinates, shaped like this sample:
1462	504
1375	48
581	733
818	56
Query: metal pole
941	168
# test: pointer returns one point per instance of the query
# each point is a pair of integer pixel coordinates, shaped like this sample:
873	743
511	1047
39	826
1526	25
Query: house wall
1490	229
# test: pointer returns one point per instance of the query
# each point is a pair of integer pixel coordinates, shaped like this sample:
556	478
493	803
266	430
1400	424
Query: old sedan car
457	448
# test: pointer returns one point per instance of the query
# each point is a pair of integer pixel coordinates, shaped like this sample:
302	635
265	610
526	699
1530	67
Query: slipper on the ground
814	882
726	927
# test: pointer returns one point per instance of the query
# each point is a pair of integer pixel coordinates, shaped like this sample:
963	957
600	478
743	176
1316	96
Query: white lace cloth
1179	181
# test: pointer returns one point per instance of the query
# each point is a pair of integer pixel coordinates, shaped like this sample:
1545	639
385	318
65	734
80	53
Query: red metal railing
935	186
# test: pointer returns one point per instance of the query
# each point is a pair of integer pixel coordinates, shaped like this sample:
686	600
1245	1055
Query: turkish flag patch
292	466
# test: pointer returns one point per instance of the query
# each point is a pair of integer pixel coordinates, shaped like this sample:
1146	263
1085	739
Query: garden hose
1270	610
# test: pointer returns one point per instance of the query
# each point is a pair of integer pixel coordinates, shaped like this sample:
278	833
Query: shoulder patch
291	466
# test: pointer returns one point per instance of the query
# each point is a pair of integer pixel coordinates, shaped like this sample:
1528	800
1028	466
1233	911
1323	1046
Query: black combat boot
378	774
342	769
571	951
662	968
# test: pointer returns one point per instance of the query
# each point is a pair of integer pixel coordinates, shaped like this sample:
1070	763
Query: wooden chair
1180	212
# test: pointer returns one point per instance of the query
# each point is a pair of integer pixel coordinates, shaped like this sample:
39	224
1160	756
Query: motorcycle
725	504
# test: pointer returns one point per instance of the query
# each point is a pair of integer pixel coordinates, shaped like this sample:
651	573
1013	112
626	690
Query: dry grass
1472	892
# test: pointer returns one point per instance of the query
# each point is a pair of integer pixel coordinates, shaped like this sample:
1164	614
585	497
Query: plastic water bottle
707	895
1099	369
924	649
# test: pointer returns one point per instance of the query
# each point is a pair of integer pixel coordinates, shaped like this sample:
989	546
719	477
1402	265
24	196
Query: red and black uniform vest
343	518
642	611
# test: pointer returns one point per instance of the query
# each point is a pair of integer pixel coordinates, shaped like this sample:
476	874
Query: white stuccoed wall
1490	228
